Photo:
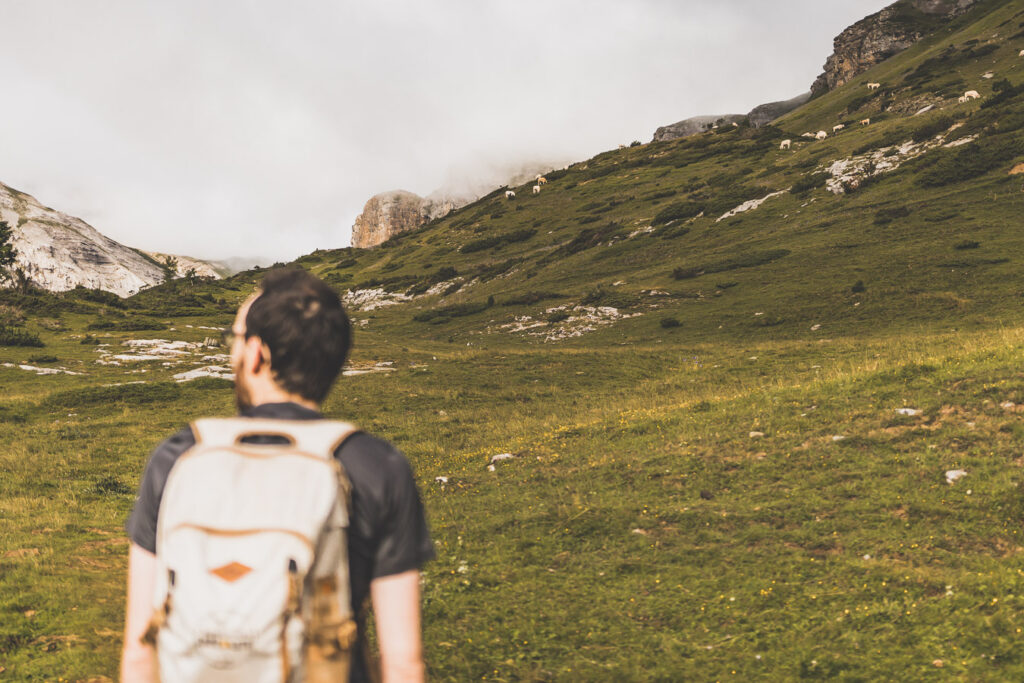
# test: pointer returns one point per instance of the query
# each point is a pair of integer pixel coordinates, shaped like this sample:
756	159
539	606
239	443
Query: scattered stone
867	557
838	437
816	327
490	468
756	435
937	663
40	371
214	371
371	299
501	456
1007	405
953	475
749	205
908	411
441	480
641	532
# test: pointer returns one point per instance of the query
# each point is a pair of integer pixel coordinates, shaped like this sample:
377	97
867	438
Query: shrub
858	287
444	313
528	298
558	316
668	323
967	244
930	129
748	260
42	358
679	210
498	240
16	336
588	238
811	181
888	215
956	165
134	324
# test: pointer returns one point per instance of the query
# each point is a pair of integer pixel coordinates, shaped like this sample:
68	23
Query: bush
748	260
497	240
956	165
809	182
588	238
558	316
444	313
888	215
930	129
16	336
42	358
134	324
858	287
668	323
528	298
967	244
677	211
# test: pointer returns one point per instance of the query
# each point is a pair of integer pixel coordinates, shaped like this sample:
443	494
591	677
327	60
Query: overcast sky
220	128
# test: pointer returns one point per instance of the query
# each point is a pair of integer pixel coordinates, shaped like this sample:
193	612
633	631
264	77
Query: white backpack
252	557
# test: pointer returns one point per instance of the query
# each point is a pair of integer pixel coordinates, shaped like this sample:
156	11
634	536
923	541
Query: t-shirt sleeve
141	524
404	541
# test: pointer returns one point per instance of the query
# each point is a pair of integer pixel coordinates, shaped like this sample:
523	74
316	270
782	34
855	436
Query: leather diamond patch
231	572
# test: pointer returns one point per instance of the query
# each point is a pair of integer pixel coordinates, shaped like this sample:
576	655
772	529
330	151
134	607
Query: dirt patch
22	552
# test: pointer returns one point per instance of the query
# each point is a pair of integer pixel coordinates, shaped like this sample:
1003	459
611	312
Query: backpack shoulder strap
314	437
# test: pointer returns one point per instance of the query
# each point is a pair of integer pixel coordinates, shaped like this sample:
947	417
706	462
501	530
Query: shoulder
366	457
171	448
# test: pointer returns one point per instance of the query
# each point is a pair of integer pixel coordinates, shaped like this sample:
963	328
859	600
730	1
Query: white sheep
972	94
820	135
874	86
865	122
536	189
1021	53
541	180
807	135
509	194
785	144
961	99
839	127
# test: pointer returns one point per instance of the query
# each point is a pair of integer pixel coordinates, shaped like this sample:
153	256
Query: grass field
713	477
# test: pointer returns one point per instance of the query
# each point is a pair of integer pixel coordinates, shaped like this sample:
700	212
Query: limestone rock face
882	35
60	252
692	126
392	213
766	113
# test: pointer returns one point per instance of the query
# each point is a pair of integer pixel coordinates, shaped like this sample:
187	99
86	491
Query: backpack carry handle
316	437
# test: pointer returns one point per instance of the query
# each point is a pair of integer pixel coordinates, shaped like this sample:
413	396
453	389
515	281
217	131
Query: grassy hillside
731	436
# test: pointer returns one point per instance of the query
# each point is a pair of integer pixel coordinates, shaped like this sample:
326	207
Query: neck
272	393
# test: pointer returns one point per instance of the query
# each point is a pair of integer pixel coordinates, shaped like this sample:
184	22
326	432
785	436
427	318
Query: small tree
7	251
170	268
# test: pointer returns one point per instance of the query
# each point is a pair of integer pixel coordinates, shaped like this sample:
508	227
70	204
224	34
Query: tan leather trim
244	532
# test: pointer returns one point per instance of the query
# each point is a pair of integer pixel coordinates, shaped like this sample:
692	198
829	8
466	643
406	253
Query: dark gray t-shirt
387	527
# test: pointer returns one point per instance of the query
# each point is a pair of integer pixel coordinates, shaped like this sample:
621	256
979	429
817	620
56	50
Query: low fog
243	128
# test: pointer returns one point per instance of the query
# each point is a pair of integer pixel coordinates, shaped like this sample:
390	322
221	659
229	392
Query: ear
252	355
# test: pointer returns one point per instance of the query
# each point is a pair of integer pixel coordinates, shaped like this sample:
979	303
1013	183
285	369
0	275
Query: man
288	344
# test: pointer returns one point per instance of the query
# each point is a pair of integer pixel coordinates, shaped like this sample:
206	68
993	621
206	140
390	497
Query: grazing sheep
972	94
865	122
839	127
509	194
785	144
536	189
807	135
874	86
541	180
961	99
820	135
1021	53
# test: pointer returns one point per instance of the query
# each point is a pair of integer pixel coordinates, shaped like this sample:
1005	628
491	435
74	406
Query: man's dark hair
302	322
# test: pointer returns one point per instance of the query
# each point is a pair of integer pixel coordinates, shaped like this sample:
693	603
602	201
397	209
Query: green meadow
730	435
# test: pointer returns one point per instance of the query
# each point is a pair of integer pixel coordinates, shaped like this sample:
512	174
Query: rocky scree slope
59	252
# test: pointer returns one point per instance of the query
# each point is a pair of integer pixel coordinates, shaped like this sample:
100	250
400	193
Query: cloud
252	128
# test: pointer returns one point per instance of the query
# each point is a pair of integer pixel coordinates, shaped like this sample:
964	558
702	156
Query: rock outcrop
766	113
882	35
392	213
60	252
184	264
694	125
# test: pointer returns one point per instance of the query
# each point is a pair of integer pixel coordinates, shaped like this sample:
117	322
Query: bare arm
138	661
396	609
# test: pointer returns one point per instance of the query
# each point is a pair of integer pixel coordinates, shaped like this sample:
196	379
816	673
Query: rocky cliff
883	34
392	213
692	126
60	252
766	113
